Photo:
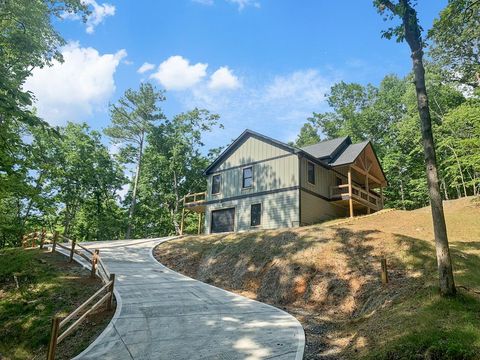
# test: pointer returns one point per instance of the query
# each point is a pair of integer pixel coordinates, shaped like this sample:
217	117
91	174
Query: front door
223	220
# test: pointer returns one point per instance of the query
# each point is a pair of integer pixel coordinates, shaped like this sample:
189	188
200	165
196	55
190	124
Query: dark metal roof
349	155
327	148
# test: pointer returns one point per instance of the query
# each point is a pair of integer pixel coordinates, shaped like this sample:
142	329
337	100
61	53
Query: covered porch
360	184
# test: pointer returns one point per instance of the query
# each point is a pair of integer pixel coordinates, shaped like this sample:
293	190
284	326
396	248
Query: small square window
255	214
311	173
247	177
339	181
216	180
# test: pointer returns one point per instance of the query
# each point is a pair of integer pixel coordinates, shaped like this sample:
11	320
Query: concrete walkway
164	315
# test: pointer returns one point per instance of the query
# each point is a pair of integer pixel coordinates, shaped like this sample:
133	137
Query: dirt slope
329	277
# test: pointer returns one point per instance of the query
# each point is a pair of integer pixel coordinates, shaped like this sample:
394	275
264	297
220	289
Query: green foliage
387	115
308	135
445	328
455	41
172	168
28	40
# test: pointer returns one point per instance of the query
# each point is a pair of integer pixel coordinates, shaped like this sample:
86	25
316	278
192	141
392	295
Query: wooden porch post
368	191
381	194
350	200
199	223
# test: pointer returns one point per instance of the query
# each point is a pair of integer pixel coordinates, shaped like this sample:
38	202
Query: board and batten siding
278	210
274	174
275	171
317	208
251	150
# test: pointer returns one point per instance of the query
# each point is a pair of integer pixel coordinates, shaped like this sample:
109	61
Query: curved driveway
164	315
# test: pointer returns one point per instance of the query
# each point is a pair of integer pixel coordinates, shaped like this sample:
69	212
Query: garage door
223	220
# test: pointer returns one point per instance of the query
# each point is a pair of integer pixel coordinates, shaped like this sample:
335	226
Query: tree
28	40
308	135
456	41
411	32
173	168
132	119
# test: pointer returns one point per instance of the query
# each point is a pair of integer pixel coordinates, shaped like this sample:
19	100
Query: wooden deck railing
357	193
194	198
98	267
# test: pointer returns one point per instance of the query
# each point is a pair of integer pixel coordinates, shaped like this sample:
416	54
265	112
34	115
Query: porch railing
358	193
194	198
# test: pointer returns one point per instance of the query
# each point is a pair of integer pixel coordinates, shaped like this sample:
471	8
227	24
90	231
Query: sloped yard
34	285
329	278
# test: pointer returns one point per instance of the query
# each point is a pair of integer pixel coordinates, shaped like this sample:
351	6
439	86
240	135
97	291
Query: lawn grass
328	276
34	286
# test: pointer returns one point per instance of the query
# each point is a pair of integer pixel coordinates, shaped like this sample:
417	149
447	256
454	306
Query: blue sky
261	64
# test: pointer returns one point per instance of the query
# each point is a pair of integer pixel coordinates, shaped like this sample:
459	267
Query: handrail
357	192
195	196
108	279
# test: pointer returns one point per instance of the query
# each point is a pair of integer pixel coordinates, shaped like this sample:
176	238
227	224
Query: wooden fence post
55	239
24	241
94	262
53	337
384	271
42	238
110	299
72	251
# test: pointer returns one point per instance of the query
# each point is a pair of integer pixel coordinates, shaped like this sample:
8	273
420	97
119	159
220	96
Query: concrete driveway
164	315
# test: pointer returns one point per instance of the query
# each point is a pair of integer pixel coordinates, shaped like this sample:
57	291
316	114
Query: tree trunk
131	212
459	169
402	194
445	189
413	37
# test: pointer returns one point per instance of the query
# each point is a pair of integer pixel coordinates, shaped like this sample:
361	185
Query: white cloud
244	3
176	73
145	67
75	88
99	13
223	78
307	85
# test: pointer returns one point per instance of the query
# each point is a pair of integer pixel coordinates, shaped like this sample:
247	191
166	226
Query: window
216	180
339	181
247	177
311	172
255	214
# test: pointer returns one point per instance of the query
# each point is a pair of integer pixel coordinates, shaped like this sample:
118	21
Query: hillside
34	286
328	276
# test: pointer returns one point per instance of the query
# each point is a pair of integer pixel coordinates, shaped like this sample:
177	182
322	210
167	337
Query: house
261	183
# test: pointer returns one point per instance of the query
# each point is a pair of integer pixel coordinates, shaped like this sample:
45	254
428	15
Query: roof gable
240	141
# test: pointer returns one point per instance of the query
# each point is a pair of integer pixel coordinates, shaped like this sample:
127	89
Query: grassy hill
35	285
328	276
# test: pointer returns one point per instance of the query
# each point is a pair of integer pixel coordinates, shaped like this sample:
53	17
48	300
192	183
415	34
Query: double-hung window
247	177
311	172
216	180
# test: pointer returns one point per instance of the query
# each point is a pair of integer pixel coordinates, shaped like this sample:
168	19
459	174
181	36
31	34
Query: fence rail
87	307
